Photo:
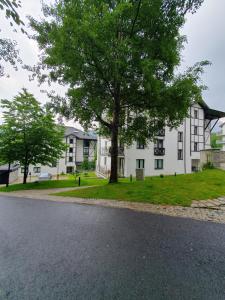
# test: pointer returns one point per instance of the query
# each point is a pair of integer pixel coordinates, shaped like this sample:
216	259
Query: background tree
215	141
118	59
8	150
37	139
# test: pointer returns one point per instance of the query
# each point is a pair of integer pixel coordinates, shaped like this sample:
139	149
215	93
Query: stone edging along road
208	210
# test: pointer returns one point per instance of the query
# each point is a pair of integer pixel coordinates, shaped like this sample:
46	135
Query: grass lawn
173	190
51	184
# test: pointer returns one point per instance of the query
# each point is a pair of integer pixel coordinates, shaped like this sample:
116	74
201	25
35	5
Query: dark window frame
157	165
180	154
195	130
180	136
195	146
37	170
140	146
196	113
138	163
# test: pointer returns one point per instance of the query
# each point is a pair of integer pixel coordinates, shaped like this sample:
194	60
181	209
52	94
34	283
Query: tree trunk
25	174
8	175
114	156
114	142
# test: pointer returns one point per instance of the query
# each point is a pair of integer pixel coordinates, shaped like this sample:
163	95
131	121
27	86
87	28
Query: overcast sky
206	41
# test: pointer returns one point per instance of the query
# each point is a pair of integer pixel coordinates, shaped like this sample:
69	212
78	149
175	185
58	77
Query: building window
140	163
86	143
195	147
195	130
180	136
86	151
158	164
22	170
140	145
180	154
71	150
70	159
69	170
159	143
86	147
105	161
71	141
196	113
37	170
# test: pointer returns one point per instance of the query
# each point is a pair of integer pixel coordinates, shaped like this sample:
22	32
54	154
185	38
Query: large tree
34	136
118	59
8	51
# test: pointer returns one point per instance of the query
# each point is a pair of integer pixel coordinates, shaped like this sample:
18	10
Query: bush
88	165
208	165
161	175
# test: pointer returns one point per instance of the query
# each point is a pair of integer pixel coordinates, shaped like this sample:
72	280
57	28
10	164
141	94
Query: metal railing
161	132
159	151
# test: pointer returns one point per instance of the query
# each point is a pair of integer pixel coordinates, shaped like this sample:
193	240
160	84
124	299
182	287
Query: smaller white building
80	146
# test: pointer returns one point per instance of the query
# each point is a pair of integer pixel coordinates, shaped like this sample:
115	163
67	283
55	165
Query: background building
176	150
80	146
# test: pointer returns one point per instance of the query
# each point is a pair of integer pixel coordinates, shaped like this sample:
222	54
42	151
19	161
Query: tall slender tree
8	149
118	59
36	137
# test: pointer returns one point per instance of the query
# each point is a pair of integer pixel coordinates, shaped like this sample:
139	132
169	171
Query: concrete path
200	210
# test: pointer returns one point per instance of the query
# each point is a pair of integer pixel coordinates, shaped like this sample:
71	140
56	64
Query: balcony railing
161	132
159	151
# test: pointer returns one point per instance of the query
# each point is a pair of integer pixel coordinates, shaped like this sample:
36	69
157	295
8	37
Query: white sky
206	41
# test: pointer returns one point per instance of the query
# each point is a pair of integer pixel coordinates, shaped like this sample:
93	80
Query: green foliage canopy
29	134
118	59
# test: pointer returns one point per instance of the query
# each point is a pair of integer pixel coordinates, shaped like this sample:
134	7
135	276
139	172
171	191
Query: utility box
139	174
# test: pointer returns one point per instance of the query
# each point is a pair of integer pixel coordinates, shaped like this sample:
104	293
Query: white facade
173	151
80	145
222	136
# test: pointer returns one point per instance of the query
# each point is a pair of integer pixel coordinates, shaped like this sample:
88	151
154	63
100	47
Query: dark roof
14	167
211	114
80	134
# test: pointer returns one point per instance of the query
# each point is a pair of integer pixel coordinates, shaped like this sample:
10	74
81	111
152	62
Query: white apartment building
81	145
173	151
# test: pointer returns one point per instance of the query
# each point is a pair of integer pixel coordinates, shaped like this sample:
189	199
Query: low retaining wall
215	156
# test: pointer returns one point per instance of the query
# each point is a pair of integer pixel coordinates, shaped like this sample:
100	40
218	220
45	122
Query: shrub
208	165
88	165
161	175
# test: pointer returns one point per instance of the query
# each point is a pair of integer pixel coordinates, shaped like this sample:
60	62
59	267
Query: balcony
159	151
161	132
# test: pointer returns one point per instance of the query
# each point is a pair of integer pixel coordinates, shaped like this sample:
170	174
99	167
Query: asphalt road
65	251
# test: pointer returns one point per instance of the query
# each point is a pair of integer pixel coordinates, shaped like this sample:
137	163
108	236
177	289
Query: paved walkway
208	210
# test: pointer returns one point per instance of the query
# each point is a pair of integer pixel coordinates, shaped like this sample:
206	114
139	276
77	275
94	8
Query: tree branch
135	19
